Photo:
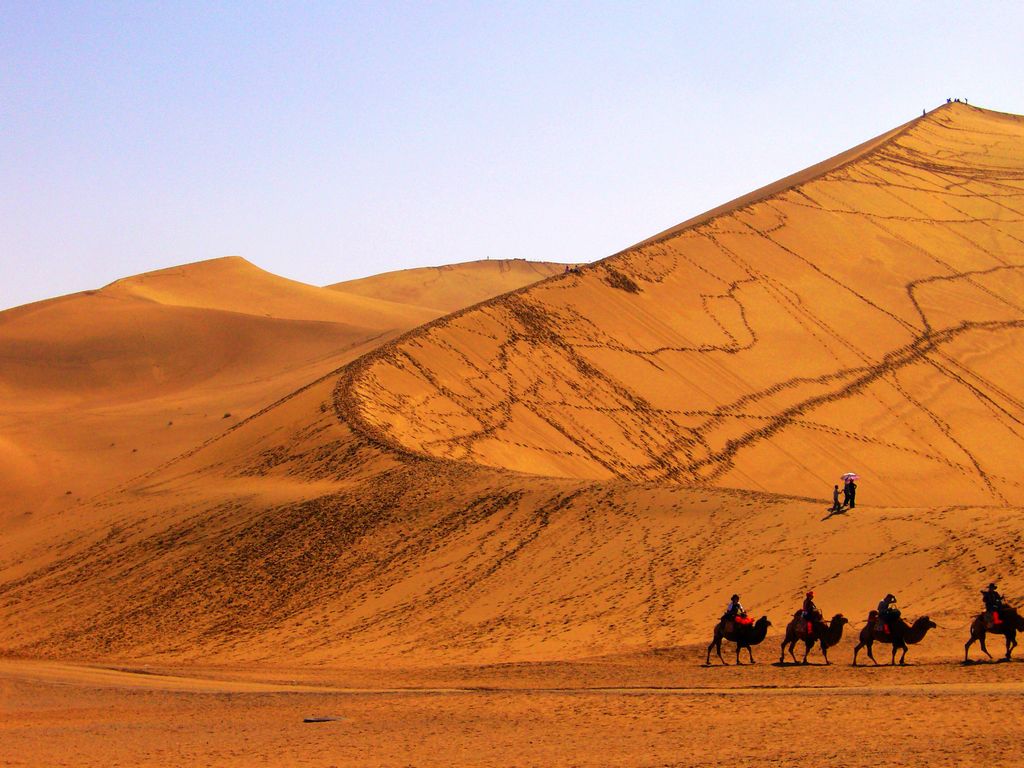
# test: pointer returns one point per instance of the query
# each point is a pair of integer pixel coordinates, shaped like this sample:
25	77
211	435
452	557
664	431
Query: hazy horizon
328	144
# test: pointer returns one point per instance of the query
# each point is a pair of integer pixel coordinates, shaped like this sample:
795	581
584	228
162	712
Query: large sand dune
532	511
864	315
360	518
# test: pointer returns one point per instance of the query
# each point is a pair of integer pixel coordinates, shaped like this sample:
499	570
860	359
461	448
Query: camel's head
763	622
839	620
926	622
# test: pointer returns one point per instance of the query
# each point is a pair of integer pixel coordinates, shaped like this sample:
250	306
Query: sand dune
99	386
303	544
559	488
866	314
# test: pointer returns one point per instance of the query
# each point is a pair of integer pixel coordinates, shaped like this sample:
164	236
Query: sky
330	141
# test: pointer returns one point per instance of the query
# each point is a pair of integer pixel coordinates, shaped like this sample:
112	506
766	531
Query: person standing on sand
836	507
852	493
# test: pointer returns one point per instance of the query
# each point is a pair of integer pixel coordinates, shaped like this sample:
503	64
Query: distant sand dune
451	287
99	386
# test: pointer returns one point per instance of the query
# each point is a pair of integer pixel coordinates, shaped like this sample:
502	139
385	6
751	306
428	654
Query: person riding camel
735	613
993	604
887	611
810	612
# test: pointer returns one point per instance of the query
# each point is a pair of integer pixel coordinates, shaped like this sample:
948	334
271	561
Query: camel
827	633
744	635
903	634
1012	623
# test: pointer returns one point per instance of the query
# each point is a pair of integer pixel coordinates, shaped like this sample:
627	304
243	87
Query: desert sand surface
866	315
658	709
504	536
99	386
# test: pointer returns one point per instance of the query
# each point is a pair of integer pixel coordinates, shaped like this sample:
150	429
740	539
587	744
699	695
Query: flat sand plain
657	709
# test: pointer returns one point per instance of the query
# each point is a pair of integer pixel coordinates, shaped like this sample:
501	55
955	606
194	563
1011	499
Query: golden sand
504	537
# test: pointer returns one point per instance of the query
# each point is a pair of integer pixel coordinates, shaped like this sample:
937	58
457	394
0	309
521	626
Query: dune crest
454	286
232	284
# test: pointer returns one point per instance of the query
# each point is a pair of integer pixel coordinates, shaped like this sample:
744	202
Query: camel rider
735	613
887	611
809	612
993	604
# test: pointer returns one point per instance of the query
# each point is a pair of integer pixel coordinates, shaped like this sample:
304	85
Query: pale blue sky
327	141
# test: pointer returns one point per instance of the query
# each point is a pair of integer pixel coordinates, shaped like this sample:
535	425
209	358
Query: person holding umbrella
850	489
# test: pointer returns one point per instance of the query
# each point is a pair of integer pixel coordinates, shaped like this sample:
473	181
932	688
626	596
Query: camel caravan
884	625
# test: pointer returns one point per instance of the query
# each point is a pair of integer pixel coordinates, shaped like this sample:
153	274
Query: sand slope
864	315
99	386
294	541
356	520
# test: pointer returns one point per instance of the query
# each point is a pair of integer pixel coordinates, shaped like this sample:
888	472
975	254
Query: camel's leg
782	651
903	656
1009	647
856	648
824	652
967	646
717	645
981	642
792	655
871	655
738	654
892	661
807	649
716	642
750	653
